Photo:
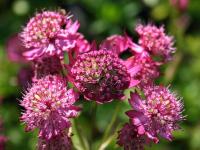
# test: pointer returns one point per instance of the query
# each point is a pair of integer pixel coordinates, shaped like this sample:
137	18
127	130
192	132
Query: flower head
129	139
49	33
100	75
154	40
159	114
49	106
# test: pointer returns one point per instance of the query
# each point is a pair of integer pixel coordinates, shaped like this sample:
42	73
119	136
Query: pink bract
119	44
148	71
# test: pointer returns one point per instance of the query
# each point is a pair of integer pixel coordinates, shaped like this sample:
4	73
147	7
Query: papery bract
148	71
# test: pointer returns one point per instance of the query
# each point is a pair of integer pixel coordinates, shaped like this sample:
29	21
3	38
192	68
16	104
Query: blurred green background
99	19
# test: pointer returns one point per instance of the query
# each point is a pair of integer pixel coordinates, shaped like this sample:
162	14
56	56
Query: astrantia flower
159	114
49	33
62	142
49	106
148	68
129	139
154	40
46	66
101	76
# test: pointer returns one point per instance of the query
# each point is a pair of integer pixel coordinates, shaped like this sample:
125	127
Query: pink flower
15	49
49	106
101	76
49	33
159	114
148	68
62	142
154	40
129	139
46	66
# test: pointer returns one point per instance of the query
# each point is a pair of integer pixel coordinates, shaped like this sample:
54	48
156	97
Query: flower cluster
98	73
156	111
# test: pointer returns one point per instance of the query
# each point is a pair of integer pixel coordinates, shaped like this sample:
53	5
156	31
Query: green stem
108	140
78	132
110	125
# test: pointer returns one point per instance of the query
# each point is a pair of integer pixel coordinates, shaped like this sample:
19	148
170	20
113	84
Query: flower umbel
49	33
159	114
49	106
100	75
154	40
